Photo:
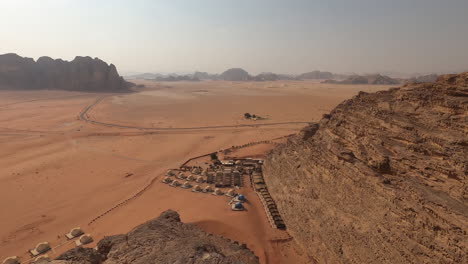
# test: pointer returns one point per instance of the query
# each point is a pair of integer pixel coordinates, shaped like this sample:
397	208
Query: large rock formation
381	179
235	74
316	75
81	74
375	79
162	240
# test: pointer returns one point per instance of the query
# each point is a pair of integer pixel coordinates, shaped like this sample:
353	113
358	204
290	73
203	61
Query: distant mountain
172	78
80	74
146	75
375	79
205	76
316	75
235	74
424	78
266	77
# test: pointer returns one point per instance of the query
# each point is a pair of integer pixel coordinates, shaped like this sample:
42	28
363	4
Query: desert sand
58	171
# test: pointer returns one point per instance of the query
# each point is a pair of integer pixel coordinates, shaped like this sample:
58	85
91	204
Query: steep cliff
381	179
80	74
162	240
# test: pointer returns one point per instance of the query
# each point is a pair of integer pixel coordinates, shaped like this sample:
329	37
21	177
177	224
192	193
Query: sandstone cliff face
81	74
162	240
381	179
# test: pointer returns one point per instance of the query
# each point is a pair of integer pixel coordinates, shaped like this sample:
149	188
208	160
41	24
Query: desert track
85	111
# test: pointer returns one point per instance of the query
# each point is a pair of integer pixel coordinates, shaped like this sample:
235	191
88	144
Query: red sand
58	172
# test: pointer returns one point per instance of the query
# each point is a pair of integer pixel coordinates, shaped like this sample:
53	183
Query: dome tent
175	183
231	193
197	188
186	185
208	189
167	180
83	240
190	178
199	179
75	232
237	206
40	248
217	192
11	260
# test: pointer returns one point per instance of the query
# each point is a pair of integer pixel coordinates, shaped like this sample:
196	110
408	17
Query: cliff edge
381	179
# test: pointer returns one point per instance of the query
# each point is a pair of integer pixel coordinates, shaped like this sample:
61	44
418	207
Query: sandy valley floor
58	172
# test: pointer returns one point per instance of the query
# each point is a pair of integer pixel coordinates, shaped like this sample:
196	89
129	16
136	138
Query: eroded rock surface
381	179
80	74
162	240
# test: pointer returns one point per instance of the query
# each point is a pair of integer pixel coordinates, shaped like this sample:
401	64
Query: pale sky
257	35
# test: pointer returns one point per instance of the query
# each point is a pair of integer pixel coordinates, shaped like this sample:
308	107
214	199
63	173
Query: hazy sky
257	35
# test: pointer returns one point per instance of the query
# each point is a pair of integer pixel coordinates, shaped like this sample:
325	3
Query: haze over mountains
239	74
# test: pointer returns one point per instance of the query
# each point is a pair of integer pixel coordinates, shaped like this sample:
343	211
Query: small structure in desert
75	232
190	178
237	207
207	189
170	173
217	191
40	248
181	176
186	185
240	198
231	193
196	170
167	180
200	179
83	240
11	260
175	183
197	188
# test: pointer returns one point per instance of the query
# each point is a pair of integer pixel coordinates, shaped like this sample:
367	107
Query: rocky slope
381	179
162	240
80	74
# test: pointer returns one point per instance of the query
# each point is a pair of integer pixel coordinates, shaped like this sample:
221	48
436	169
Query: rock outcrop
375	79
81	74
235	74
162	240
316	75
381	179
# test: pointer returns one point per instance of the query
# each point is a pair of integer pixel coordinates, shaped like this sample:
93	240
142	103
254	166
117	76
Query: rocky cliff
381	179
80	74
162	240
